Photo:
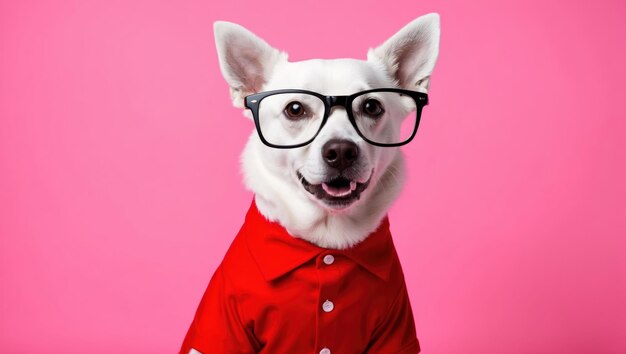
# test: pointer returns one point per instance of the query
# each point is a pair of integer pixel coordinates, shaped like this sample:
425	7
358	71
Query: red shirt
274	293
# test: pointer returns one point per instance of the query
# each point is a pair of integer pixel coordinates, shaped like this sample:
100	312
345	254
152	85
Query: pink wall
120	192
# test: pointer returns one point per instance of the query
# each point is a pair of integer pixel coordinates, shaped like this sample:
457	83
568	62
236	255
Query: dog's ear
246	60
410	55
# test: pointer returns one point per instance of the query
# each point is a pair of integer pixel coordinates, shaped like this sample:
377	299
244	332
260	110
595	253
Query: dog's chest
285	295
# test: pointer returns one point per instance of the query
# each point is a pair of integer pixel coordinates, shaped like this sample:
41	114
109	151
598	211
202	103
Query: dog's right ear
246	60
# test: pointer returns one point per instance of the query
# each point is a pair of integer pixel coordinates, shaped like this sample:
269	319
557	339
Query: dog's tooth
352	185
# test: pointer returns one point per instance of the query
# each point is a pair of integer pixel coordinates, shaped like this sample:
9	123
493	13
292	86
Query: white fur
245	59
250	65
410	55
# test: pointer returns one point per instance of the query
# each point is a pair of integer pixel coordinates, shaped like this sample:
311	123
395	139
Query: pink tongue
339	192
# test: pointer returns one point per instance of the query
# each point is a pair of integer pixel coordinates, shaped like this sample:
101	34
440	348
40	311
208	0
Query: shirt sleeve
217	326
396	333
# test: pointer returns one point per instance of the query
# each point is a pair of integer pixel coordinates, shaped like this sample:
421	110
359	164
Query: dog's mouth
338	192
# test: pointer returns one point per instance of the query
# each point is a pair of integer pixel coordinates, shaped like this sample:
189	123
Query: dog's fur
250	65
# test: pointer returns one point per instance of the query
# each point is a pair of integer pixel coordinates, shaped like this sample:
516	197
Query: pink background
120	187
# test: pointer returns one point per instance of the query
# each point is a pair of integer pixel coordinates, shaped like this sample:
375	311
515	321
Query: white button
325	351
328	306
329	259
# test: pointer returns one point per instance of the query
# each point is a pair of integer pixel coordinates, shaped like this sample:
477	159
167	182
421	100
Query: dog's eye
295	110
372	108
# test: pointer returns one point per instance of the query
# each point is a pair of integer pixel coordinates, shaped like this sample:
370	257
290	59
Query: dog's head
338	175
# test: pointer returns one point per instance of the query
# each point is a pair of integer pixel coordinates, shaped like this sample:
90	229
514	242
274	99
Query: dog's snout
340	154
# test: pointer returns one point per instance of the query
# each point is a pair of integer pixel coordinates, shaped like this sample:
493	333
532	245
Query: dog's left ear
245	59
410	55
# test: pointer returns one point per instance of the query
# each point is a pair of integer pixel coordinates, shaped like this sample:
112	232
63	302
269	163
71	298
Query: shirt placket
328	266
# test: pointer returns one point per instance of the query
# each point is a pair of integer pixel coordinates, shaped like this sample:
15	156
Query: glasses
292	118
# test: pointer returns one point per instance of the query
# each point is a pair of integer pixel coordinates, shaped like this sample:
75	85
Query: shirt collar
277	253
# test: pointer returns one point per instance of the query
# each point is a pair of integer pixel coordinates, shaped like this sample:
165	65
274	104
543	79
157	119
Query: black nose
340	154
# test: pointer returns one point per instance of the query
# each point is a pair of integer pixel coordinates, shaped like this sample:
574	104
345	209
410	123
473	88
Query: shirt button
328	306
325	351
329	259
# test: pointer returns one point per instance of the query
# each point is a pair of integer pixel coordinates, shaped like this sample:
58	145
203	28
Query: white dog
313	269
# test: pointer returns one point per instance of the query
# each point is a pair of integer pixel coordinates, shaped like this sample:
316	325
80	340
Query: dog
313	268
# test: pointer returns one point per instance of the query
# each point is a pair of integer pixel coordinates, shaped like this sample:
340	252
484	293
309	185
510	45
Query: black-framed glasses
292	118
